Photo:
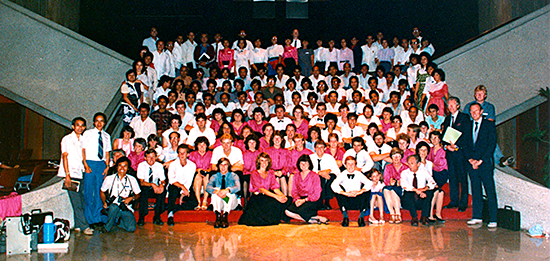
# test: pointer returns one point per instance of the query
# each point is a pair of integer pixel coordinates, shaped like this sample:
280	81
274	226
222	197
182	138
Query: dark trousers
187	203
412	203
360	202
484	175
327	192
77	202
145	195
458	179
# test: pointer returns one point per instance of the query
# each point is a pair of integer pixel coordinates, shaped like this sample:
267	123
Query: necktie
379	151
415	181
319	164
476	129
223	181
280	121
351	132
294	43
150	175
100	146
452	120
350	176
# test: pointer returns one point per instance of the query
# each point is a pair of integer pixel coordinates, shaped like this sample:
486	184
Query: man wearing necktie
481	142
418	190
458	180
223	186
325	165
295	41
95	152
150	174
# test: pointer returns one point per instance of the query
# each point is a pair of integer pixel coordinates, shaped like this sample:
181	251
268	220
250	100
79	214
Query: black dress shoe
327	206
239	207
361	222
217	224
439	220
414	222
462	209
345	222
224	221
170	221
140	222
158	221
451	206
424	221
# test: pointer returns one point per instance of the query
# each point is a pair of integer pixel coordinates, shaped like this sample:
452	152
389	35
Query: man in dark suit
458	180
481	140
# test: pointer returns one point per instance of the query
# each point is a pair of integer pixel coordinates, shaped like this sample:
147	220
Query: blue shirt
231	182
488	110
437	123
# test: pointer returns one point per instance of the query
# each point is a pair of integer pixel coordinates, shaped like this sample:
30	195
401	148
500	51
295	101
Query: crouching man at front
223	186
118	192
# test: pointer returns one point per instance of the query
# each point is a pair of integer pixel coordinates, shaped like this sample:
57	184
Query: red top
280	159
224	56
309	187
438	159
202	162
249	159
303	128
290	52
257	182
339	153
390	172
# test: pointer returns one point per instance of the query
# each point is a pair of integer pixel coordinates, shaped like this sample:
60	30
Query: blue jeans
124	218
92	188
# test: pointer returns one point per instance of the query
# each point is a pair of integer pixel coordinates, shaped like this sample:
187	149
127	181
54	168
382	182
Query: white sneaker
492	224
77	229
474	221
88	231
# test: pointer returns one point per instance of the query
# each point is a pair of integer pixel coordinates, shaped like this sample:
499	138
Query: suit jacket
485	145
461	124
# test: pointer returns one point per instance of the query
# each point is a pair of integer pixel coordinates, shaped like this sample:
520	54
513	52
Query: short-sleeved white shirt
120	187
72	145
90	142
182	174
235	156
156	176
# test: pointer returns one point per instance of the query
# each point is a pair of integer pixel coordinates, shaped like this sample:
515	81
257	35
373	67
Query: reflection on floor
200	241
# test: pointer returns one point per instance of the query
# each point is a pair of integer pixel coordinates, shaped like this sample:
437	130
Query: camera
203	172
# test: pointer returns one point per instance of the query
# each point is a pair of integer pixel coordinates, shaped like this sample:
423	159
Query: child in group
377	196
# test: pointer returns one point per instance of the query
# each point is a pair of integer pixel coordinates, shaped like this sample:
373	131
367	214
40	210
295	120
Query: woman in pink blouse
265	141
280	159
240	143
237	120
201	157
226	56
225	128
257	122
403	143
250	153
334	149
301	123
392	189
290	57
306	190
298	150
267	203
437	156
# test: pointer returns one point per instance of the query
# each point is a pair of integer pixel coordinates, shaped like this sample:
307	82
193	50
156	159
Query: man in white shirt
150	174
227	150
319	119
242	35
201	131
379	151
325	165
188	50
351	188
370	53
161	60
402	56
359	152
316	77
71	169
178	52
180	175
351	130
280	78
280	121
295	41
320	56
117	193
418	187
96	148
143	125
408	116
172	65
151	42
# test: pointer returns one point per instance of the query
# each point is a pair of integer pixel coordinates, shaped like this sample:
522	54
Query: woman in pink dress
250	154
392	189
439	92
280	159
201	157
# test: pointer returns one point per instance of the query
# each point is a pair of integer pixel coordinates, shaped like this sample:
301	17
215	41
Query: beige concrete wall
512	62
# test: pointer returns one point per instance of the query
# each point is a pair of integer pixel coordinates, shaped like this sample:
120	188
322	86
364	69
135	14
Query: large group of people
281	131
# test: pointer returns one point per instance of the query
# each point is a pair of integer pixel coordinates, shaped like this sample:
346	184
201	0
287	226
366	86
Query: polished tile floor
200	241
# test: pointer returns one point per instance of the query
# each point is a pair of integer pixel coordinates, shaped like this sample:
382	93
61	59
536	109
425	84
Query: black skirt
306	211
262	210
